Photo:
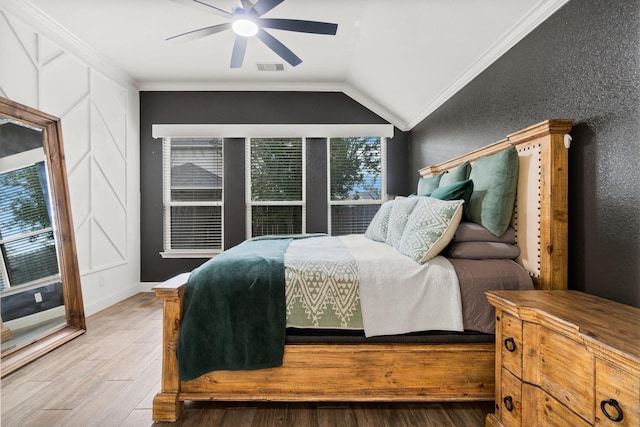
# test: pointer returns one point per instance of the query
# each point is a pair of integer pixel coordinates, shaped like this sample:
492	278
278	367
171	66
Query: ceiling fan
246	21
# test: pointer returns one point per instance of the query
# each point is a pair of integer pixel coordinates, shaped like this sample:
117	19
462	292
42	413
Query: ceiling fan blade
202	32
278	48
300	26
264	6
239	48
247	5
201	5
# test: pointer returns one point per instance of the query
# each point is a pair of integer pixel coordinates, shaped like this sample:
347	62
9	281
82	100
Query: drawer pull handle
614	404
508	403
510	345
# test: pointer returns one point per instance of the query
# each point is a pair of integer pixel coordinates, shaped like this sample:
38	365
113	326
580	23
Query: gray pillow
472	232
482	250
457	174
495	179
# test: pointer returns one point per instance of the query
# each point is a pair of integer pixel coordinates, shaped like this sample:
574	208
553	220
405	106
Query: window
26	237
193	196
357	182
276	186
275	181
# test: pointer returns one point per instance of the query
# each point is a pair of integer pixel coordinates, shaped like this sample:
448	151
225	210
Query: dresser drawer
511	344
509	408
617	393
561	366
541	409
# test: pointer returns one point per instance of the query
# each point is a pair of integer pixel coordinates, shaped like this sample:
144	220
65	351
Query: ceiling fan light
244	27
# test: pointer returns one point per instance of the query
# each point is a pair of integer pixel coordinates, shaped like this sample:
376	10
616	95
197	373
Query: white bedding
427	296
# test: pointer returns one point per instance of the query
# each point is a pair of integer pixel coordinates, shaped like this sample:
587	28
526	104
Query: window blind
193	208
276	174
351	219
356	182
355	168
26	237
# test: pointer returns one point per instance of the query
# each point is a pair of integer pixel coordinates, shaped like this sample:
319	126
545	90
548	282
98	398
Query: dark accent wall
234	219
398	182
582	63
238	108
317	185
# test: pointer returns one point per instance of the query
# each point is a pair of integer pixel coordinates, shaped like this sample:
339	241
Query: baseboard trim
148	286
110	300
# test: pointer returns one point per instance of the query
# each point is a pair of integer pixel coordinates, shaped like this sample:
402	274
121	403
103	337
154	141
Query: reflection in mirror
40	296
32	302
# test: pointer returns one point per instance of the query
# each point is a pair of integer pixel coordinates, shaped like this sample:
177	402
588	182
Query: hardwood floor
108	377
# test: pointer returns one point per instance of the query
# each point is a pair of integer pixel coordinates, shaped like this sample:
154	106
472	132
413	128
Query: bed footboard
399	372
166	405
328	372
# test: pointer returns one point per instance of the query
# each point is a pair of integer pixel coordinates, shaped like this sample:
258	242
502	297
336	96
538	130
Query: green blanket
234	311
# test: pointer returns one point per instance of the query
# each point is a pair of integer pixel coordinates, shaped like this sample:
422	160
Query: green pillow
427	185
377	229
402	208
430	227
495	179
457	174
459	191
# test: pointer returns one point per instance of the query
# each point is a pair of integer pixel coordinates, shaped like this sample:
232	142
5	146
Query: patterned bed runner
322	287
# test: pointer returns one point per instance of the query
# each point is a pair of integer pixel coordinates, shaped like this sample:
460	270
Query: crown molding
375	107
41	23
518	31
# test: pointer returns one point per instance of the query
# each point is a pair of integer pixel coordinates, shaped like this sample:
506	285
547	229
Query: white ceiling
401	59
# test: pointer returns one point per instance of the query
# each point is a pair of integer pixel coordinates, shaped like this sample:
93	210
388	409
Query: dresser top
605	326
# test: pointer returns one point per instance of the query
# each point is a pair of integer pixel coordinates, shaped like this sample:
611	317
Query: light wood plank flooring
108	377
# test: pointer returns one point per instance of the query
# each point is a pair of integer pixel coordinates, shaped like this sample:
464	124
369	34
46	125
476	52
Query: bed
437	369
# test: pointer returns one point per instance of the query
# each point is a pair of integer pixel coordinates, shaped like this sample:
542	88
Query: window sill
189	254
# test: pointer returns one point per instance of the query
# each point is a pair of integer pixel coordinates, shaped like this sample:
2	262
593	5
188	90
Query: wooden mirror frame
63	234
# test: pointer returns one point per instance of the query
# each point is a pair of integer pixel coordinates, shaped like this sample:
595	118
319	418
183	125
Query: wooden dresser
565	358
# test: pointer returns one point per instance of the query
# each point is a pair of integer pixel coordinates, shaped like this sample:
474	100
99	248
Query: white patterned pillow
430	228
402	207
377	229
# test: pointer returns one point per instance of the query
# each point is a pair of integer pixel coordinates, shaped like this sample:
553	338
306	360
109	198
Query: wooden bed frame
400	371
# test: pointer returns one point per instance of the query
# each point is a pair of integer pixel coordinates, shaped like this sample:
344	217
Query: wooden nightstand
565	358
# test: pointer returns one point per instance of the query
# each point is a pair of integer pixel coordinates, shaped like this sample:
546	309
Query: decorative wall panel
101	150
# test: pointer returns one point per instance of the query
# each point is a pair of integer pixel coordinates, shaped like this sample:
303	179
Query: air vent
271	67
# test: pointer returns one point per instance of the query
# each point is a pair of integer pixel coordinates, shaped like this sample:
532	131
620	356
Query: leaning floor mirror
40	295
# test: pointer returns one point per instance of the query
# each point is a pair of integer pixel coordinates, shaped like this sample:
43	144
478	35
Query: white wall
44	67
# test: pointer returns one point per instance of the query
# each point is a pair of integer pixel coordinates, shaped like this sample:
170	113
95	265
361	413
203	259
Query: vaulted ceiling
401	59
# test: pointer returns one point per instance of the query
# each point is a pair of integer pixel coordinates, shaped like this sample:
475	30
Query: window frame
168	251
383	182
280	130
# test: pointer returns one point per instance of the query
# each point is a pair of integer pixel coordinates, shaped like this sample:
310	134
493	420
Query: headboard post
553	218
541	215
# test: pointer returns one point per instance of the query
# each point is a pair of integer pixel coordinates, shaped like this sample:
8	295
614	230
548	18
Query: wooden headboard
541	210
